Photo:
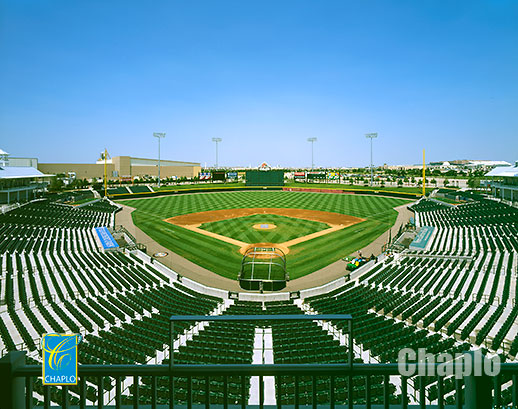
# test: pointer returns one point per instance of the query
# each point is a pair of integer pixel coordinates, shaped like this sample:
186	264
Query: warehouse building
124	168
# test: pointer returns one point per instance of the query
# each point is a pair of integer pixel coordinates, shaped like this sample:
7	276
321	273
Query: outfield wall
390	193
372	192
193	190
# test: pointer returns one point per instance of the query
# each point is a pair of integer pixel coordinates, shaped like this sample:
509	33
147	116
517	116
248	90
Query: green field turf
237	185
288	228
304	258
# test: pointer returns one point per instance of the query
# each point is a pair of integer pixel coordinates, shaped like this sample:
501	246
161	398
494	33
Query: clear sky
78	76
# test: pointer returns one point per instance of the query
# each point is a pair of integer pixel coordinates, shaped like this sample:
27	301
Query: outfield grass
287	228
304	258
403	189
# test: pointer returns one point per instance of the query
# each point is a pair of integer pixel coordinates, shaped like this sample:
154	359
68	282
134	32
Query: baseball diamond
214	229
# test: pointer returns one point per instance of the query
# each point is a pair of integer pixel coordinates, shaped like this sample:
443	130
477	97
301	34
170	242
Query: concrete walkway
206	277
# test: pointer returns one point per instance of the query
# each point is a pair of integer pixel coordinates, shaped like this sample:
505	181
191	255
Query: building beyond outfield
124	168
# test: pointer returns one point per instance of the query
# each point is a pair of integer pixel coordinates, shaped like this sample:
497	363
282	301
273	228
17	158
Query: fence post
478	387
12	389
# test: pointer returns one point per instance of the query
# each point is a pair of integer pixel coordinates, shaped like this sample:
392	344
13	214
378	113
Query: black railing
17	384
103	386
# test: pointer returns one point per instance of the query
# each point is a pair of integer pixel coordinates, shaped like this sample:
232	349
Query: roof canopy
19	172
505	171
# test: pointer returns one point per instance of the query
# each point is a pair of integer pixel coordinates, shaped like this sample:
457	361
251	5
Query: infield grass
304	258
241	228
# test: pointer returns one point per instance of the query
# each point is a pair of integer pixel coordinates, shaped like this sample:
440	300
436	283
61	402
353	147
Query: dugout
264	178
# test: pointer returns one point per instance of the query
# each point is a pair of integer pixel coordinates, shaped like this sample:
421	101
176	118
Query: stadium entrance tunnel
263	268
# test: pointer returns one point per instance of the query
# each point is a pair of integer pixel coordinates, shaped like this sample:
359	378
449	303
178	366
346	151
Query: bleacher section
140	189
43	213
121	190
458	295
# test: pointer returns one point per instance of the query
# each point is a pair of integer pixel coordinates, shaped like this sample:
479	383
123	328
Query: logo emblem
60	358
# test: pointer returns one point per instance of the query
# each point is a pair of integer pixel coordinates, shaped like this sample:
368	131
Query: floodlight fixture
217	140
312	140
159	135
371	136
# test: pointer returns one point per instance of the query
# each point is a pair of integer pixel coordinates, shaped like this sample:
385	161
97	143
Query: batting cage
263	269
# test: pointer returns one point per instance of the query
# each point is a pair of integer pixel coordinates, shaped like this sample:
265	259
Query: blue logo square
60	358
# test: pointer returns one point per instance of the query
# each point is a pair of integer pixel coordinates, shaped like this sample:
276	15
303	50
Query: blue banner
60	358
106	238
422	238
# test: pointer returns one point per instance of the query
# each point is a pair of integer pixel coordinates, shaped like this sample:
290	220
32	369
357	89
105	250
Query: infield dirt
335	221
225	214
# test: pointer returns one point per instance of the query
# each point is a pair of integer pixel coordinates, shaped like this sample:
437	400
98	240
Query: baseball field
213	230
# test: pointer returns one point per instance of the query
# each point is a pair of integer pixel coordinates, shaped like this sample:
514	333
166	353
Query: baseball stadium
259	204
321	288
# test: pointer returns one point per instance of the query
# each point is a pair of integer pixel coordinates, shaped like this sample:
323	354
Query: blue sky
76	76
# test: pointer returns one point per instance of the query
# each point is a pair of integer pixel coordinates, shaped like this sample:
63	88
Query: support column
478	387
13	389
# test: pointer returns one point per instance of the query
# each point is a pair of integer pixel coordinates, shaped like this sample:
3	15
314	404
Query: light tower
217	140
371	136
424	175
105	157
159	135
312	140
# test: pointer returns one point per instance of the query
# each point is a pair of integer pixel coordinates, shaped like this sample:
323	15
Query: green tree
56	184
473	183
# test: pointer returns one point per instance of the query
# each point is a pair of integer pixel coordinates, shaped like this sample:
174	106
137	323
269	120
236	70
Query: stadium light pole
312	140
217	140
371	136
159	135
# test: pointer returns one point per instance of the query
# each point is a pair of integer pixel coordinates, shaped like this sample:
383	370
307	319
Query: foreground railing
17	384
348	384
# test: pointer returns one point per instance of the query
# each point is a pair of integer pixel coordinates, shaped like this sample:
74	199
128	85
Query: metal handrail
477	389
182	370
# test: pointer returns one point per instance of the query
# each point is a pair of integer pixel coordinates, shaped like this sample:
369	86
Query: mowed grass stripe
360	206
302	262
225	259
241	228
208	252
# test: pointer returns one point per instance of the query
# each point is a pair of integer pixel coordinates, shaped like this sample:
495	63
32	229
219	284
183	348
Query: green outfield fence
390	193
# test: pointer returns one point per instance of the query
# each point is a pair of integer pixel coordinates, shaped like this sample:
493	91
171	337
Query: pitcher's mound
264	226
284	249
